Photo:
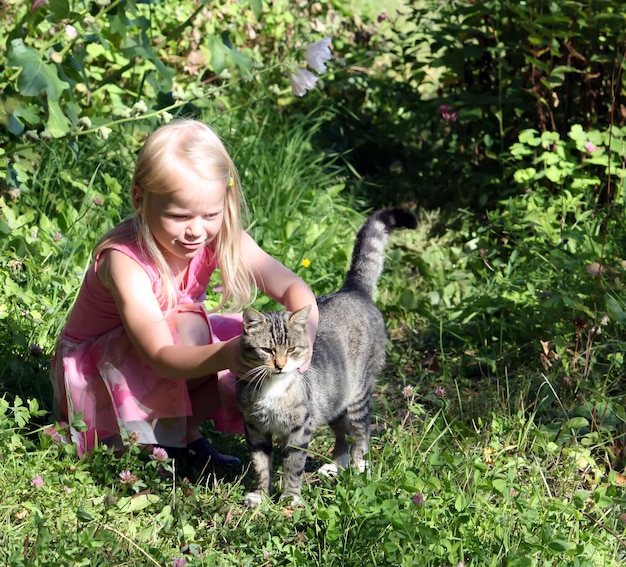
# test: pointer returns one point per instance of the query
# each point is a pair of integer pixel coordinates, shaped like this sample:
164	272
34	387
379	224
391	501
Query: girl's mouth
190	245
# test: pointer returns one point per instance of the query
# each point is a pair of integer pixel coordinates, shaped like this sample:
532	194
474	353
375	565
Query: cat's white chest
274	404
275	388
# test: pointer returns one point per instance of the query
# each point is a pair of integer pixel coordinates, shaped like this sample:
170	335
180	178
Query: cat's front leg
260	448
294	460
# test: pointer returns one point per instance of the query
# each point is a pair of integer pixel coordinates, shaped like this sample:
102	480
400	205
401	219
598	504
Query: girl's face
188	217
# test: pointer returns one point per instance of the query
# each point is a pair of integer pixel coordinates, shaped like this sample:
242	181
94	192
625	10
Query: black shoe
202	453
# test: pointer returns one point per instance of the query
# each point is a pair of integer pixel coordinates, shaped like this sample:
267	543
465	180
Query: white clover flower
166	117
302	81
140	107
104	132
317	54
85	121
55	57
70	31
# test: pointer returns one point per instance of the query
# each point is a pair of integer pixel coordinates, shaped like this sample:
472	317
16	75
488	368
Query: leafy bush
449	86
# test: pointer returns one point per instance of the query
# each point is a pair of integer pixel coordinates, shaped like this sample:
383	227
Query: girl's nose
194	229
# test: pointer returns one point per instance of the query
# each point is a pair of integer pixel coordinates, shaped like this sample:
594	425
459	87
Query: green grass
496	491
498	426
486	467
491	459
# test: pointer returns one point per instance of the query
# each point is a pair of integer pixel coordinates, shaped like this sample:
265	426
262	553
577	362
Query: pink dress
97	373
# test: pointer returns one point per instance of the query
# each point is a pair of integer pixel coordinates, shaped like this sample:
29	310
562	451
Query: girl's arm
150	333
281	284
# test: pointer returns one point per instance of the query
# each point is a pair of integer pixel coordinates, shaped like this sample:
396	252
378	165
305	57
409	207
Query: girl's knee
192	328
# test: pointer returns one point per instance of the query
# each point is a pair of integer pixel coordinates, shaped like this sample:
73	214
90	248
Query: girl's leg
193	330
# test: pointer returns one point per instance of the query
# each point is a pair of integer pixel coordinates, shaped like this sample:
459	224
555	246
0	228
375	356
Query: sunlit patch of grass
498	423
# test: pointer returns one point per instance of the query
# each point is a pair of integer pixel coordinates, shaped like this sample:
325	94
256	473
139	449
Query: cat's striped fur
278	401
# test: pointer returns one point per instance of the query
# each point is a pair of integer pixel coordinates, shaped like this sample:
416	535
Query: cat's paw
329	470
252	499
294	499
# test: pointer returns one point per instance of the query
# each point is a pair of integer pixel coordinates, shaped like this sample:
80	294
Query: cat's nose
279	363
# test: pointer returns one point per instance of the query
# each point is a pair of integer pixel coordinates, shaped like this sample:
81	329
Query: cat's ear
252	318
300	317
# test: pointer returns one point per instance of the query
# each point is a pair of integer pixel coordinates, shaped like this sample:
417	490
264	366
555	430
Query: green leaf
14	125
601	498
58	124
136	503
530	137
580	498
558	546
29	112
615	309
223	54
410	482
523	176
257	8
218	53
60	9
501	485
402	521
240	59
460	503
84	516
576	423
36	76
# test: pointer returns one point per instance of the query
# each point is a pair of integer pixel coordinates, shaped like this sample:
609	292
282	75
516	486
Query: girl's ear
137	197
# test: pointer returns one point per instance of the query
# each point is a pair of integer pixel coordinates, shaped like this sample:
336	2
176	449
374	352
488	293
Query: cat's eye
291	350
268	350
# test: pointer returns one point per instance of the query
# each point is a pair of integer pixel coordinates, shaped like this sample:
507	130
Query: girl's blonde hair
197	146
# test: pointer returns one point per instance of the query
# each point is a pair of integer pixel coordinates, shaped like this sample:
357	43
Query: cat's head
276	340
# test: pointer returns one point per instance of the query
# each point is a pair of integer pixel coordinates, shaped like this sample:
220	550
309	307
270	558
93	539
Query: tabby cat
275	399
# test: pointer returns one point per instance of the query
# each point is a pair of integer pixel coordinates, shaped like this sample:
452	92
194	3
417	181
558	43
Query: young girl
139	357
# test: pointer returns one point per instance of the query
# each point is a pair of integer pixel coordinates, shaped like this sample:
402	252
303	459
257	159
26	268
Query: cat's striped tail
369	249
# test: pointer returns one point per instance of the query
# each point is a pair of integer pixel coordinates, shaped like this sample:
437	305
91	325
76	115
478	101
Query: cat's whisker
254	376
263	375
303	376
311	373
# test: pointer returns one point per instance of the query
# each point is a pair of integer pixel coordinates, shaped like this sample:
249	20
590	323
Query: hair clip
231	181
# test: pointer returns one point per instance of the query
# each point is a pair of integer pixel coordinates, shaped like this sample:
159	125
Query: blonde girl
139	357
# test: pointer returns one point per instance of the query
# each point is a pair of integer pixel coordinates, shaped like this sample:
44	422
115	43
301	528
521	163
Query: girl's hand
236	365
